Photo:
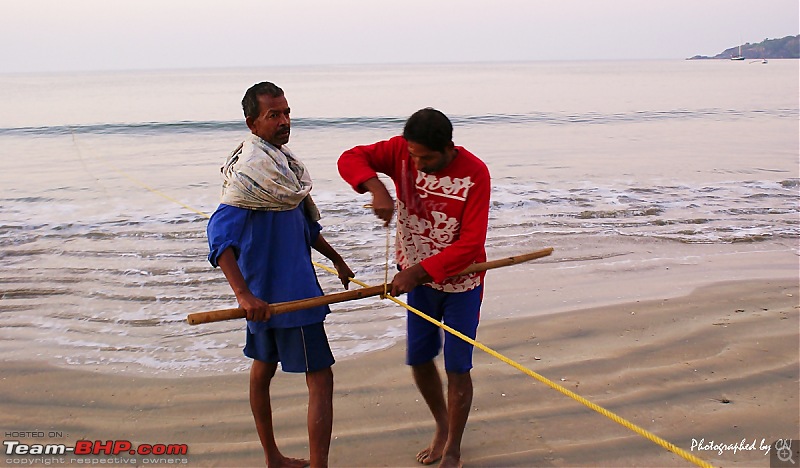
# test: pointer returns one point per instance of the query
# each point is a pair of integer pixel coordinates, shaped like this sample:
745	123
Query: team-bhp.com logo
94	447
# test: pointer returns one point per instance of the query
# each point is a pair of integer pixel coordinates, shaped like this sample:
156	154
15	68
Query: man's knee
320	380
424	368
459	378
261	371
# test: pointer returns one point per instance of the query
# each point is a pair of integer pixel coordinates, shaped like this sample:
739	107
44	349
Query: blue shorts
459	311
298	349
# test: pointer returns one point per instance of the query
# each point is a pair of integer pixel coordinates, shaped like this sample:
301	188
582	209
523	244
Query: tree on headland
784	48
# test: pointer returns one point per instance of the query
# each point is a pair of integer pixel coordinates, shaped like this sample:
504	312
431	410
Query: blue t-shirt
273	250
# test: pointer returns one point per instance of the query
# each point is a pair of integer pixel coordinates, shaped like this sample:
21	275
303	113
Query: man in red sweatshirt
442	193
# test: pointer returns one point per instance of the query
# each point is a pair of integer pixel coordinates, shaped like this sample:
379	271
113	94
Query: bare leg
320	415
261	374
426	376
459	402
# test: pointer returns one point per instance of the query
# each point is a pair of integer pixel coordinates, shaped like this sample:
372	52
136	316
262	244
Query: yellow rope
614	417
386	266
157	192
135	180
386	259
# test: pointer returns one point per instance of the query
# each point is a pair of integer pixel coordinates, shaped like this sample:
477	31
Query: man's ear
250	121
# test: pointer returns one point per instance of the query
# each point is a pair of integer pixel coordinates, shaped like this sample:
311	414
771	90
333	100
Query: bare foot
450	462
427	457
433	453
287	462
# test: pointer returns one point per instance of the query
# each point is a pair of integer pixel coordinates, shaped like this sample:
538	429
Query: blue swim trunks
298	349
459	311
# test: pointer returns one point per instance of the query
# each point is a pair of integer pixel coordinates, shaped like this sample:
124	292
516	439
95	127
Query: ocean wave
395	122
516	207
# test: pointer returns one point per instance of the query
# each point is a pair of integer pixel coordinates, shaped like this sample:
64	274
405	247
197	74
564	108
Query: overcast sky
56	35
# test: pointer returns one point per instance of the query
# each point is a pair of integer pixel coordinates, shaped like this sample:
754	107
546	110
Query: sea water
107	178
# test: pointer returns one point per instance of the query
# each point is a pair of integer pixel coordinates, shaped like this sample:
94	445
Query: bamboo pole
283	307
290	306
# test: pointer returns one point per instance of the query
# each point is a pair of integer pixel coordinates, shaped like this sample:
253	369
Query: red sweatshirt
441	217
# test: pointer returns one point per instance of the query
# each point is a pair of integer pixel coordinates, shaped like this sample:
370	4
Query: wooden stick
283	307
508	261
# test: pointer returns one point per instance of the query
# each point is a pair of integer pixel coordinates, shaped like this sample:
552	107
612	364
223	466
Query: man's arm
256	309
408	279
382	203
359	167
345	273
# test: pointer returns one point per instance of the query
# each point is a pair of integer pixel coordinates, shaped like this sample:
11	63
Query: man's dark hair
429	127
250	100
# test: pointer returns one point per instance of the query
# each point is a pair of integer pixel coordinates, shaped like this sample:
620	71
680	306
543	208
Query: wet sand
719	365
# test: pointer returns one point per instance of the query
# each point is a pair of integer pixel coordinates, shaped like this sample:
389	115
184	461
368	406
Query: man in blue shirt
261	237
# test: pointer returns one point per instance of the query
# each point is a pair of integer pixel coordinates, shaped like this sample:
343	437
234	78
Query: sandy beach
669	194
717	366
671	299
